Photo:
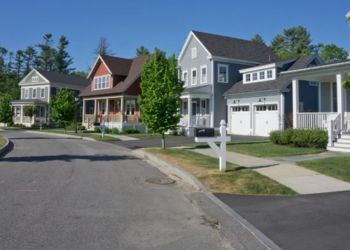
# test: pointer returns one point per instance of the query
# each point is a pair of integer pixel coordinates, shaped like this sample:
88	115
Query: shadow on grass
236	169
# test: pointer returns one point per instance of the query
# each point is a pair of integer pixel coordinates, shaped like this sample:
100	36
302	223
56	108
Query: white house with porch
334	102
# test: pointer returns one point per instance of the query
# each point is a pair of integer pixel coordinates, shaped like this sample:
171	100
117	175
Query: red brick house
112	94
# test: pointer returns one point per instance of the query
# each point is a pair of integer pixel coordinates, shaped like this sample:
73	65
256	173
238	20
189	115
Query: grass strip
2	141
337	167
262	148
236	179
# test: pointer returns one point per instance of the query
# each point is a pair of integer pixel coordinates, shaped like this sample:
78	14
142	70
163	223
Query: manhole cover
160	181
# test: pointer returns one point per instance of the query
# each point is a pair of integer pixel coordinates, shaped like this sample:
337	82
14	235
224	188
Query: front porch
334	100
117	112
20	118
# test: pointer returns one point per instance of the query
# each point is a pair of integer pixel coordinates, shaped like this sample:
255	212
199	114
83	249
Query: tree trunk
163	141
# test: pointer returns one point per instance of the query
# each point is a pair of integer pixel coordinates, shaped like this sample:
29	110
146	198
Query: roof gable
115	65
28	78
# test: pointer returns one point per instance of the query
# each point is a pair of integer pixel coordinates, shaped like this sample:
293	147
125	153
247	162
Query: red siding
134	89
101	71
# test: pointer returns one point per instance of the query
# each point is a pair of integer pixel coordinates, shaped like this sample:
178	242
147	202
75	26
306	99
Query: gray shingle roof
56	77
28	101
236	48
278	84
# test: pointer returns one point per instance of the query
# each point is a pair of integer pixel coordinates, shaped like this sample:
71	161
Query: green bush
107	130
131	131
115	131
81	127
96	130
311	138
33	125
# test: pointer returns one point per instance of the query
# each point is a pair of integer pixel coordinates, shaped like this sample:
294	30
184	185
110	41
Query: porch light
261	99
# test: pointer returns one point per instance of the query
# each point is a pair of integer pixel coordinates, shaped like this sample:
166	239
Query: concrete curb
5	147
62	135
194	182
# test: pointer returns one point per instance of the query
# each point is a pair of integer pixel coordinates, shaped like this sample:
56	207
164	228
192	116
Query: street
58	193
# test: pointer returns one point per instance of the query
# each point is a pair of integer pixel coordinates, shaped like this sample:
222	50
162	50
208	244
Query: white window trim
227	73
314	84
194	69
36	94
41	92
183	108
26	97
206	74
97	80
128	109
194	52
183	77
258	76
35	79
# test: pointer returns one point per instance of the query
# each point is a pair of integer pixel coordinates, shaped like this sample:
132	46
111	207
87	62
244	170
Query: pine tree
257	38
29	59
102	48
142	51
63	60
161	93
46	59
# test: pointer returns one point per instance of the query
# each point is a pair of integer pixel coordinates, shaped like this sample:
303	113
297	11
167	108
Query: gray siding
325	97
187	63
308	95
220	108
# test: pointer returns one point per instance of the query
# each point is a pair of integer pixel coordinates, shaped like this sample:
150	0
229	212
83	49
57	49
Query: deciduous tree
161	91
332	52
63	107
30	110
6	110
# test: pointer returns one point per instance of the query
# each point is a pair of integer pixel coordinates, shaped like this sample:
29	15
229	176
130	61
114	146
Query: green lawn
83	133
337	167
151	136
236	179
2	141
262	148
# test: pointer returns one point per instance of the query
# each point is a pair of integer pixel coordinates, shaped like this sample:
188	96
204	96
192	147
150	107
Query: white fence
313	120
196	121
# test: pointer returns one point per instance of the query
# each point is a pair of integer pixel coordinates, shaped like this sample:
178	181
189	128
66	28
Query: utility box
204	132
97	124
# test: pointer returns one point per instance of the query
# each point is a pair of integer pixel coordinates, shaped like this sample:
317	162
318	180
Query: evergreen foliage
294	42
102	48
257	38
161	91
63	107
142	51
63	60
6	110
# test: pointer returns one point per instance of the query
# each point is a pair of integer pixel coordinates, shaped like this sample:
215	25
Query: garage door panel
240	120
266	119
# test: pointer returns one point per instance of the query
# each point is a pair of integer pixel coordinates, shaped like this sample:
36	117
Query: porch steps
342	144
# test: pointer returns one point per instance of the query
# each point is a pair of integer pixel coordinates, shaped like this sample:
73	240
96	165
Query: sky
164	24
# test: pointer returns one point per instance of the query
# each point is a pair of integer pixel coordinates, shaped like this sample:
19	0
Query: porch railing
334	130
314	120
196	121
115	118
88	117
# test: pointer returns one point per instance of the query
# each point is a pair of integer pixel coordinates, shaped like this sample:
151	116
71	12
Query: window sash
185	78
26	93
222	74
204	75
194	76
34	93
262	75
255	76
130	107
269	74
42	93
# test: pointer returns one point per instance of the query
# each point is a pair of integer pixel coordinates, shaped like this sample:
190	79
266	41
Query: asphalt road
58	193
320	221
172	142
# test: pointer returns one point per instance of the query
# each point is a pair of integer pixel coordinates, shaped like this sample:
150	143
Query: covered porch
333	101
196	109
21	118
116	111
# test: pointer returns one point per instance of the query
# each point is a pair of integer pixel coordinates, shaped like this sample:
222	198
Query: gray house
263	100
37	87
210	66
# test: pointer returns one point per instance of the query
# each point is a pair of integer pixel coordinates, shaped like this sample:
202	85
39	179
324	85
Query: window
204	74
35	79
101	82
203	107
240	109
26	93
255	76
262	75
194	76
272	107
130	107
91	110
185	109
301	106
103	108
185	78
194	52
42	112
34	93
42	93
269	74
247	77
223	72
313	84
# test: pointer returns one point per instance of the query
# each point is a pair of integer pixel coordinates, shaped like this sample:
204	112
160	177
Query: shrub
81	127
131	131
115	131
107	130
33	125
96	130
311	138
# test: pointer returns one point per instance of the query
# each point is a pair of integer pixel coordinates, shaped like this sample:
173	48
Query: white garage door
240	120
266	119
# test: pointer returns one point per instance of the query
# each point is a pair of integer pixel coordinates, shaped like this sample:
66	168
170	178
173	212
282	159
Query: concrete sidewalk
300	179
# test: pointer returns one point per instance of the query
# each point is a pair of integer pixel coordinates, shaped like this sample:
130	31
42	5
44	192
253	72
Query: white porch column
189	108
211	111
95	107
84	110
340	100
21	113
107	109
122	108
295	101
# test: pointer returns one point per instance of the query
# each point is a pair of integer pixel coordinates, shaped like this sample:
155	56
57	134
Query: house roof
56	77
28	101
230	47
132	74
117	65
278	84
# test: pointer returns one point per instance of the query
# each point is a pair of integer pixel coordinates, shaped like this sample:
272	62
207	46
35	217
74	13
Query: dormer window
247	77
269	74
101	82
35	79
262	75
255	76
194	52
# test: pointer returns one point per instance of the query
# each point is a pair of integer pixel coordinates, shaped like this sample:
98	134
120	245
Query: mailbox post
221	152
101	127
